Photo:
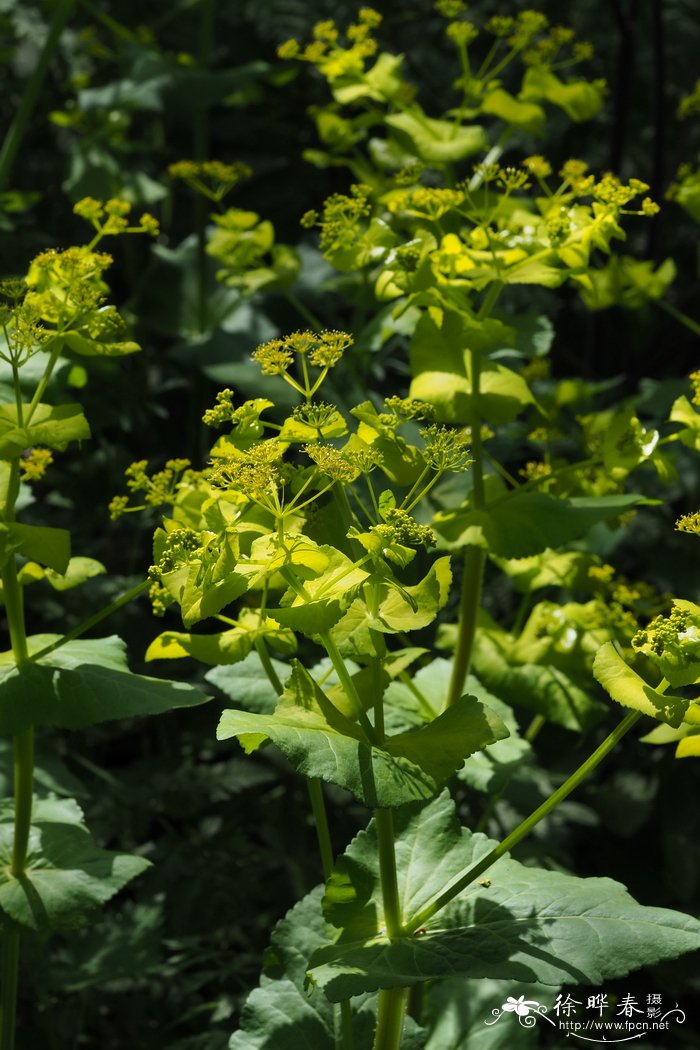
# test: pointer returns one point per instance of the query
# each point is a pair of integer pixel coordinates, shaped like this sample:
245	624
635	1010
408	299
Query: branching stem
525	827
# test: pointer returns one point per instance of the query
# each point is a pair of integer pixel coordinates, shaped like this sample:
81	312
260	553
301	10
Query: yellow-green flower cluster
400	527
445	449
323	349
410	407
158	489
689	523
426	202
332	462
326	50
222	411
341	218
111	217
212	178
34	463
257	473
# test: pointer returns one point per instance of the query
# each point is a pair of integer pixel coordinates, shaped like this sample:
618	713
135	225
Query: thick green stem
347	684
19	126
474	561
384	826
524	828
474	557
24	782
323	835
392	1002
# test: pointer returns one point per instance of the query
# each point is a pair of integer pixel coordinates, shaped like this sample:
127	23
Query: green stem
390	1019
347	684
679	316
44	381
391	1001
303	310
474	557
384	826
474	562
268	666
24	784
24	781
525	827
318	807
92	621
19	126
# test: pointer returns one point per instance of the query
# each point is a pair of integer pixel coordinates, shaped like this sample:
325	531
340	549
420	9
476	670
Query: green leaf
627	443
50	547
528	523
522	924
310	618
436	141
455	1010
547	690
527	115
67	876
683	412
86	346
298	430
247	683
79	570
441	367
228	647
626	687
51	425
321	742
549	569
283	1012
82	683
579	99
280	1012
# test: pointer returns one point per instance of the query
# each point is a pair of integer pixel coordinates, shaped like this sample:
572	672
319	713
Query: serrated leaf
283	1012
247	683
528	523
321	742
549	569
455	1010
82	683
67	876
537	687
627	688
525	924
